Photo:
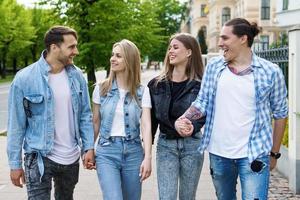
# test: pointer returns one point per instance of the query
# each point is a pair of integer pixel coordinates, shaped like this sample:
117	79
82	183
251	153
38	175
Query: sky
27	3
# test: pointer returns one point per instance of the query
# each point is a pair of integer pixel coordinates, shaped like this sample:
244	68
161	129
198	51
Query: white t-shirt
234	115
118	127
65	150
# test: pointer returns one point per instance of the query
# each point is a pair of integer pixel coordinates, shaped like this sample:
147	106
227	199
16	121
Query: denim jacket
31	113
161	98
132	112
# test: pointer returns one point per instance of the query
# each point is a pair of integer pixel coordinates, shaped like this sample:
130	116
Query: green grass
8	79
3	134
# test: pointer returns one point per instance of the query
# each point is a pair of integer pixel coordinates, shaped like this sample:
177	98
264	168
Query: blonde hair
132	60
194	68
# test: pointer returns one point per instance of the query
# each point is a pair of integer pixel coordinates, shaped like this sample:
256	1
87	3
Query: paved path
3	105
88	187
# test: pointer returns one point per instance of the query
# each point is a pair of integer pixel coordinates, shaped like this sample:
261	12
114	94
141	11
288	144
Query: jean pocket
104	142
32	173
258	166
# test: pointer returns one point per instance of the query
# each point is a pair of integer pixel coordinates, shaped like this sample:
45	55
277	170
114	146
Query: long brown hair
194	67
132	60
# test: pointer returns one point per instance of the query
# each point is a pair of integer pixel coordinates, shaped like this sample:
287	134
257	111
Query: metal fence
279	56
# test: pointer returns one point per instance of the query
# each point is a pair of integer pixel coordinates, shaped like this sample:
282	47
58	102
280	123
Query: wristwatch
275	155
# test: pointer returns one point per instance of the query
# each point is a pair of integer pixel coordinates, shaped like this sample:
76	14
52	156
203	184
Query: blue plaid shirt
270	102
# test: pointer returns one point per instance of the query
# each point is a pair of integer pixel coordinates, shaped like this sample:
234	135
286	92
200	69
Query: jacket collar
46	68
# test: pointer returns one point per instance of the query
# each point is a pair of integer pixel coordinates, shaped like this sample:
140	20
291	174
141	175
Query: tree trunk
14	65
3	70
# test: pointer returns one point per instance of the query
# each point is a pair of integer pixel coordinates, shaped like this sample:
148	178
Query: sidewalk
88	187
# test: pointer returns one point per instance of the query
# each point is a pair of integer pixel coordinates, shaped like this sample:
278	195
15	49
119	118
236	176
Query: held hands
89	160
17	177
184	126
145	169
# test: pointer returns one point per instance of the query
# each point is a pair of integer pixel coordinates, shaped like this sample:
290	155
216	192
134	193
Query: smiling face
231	44
117	61
67	50
178	53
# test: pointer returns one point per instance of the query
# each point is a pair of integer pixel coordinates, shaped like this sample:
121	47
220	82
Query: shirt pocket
263	92
34	104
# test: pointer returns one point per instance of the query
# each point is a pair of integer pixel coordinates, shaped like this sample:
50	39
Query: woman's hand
145	169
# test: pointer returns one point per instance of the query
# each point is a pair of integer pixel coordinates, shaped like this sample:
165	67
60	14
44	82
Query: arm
278	132
15	134
86	127
183	124
96	120
278	102
85	121
145	169
154	122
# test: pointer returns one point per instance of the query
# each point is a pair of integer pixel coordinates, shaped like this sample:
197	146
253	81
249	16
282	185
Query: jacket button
126	102
126	114
127	125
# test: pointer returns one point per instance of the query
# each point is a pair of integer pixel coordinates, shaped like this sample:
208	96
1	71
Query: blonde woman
121	106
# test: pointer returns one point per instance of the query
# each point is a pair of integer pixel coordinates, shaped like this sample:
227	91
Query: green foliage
21	34
170	13
16	31
202	42
283	41
285	140
3	134
102	23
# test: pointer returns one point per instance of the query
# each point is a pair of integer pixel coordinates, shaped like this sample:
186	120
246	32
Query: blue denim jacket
31	113
132	112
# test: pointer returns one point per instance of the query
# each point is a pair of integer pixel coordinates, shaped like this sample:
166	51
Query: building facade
206	17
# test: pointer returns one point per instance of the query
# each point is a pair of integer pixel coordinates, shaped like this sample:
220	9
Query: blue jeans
178	160
65	178
118	165
254	177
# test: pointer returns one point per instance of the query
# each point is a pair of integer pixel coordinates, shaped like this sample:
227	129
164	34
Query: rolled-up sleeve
278	96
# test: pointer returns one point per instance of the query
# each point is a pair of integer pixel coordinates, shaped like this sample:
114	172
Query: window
203	11
265	9
285	4
264	42
225	15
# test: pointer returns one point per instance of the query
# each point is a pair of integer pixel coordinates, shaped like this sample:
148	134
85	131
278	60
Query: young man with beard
240	95
50	116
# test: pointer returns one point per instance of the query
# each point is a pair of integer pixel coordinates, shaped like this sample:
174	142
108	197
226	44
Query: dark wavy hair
243	27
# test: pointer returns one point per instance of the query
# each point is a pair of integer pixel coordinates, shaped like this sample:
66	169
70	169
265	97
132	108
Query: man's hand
17	177
89	160
184	126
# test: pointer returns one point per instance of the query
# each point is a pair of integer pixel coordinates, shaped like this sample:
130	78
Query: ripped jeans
65	177
254	177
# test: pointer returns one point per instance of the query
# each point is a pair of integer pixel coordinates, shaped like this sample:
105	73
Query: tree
42	19
202	42
16	32
170	13
102	23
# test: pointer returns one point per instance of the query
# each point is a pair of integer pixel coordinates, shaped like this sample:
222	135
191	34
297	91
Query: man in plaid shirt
240	95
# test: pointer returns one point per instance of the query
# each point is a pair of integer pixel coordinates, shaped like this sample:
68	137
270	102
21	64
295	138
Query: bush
285	139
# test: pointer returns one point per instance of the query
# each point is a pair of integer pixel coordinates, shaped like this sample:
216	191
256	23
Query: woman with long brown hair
172	93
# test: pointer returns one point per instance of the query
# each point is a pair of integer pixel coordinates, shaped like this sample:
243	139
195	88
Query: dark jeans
65	178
